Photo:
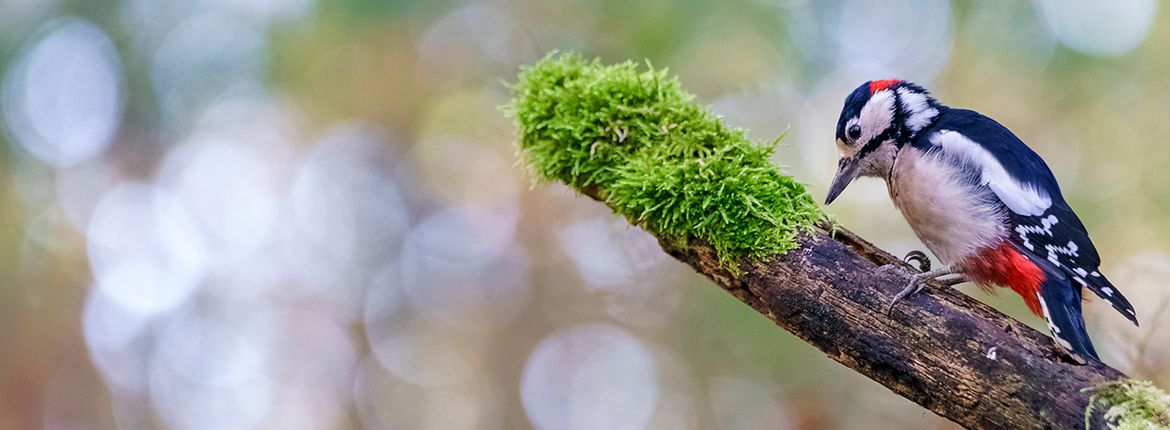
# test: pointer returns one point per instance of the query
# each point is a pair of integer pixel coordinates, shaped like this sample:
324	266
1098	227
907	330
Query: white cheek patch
1021	198
876	115
918	110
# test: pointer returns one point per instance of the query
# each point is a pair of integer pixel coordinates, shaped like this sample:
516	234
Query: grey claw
923	262
914	287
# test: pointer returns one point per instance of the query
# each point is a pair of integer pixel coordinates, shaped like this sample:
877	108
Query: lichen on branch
637	140
1131	405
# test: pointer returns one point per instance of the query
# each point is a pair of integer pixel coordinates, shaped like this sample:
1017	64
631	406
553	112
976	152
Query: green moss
1132	405
636	139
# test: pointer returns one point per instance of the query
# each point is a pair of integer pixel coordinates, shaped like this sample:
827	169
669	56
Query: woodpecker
984	203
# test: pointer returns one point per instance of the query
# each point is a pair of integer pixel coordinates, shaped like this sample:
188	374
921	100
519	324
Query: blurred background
308	214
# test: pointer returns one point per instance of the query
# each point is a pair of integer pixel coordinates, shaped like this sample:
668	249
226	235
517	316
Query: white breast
949	212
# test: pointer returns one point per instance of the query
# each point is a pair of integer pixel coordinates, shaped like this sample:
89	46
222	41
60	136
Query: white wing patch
1045	227
1021	198
1055	251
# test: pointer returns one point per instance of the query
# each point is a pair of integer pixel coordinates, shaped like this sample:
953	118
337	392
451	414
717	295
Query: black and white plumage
983	202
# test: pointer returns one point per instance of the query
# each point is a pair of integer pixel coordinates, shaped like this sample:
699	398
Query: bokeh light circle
871	40
144	250
1105	28
594	376
460	267
63	99
213	372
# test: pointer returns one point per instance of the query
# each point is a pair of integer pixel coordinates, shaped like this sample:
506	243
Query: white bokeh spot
63	98
593	376
1099	28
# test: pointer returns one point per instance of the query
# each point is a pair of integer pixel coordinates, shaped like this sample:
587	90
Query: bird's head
877	119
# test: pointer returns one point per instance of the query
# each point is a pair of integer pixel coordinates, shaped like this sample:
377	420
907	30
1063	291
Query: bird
984	203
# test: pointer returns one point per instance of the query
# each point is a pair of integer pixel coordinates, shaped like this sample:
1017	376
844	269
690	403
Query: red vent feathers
1006	267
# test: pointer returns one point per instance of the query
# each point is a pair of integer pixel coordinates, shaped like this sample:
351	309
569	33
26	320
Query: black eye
854	132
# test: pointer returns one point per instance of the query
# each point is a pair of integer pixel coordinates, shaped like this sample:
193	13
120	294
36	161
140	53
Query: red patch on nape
875	86
1006	267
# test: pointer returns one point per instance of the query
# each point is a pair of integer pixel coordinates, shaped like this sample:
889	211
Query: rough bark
935	348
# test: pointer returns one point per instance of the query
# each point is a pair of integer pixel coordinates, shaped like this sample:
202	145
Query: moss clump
1132	405
635	139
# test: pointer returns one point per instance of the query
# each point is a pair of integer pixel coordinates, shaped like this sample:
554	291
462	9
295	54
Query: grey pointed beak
847	169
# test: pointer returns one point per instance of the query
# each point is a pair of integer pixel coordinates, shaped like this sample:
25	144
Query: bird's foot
915	285
896	269
916	259
917	280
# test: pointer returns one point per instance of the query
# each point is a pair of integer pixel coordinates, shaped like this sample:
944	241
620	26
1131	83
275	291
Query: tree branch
935	348
941	349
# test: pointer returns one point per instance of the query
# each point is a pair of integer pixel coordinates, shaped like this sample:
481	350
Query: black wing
1058	237
1042	224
